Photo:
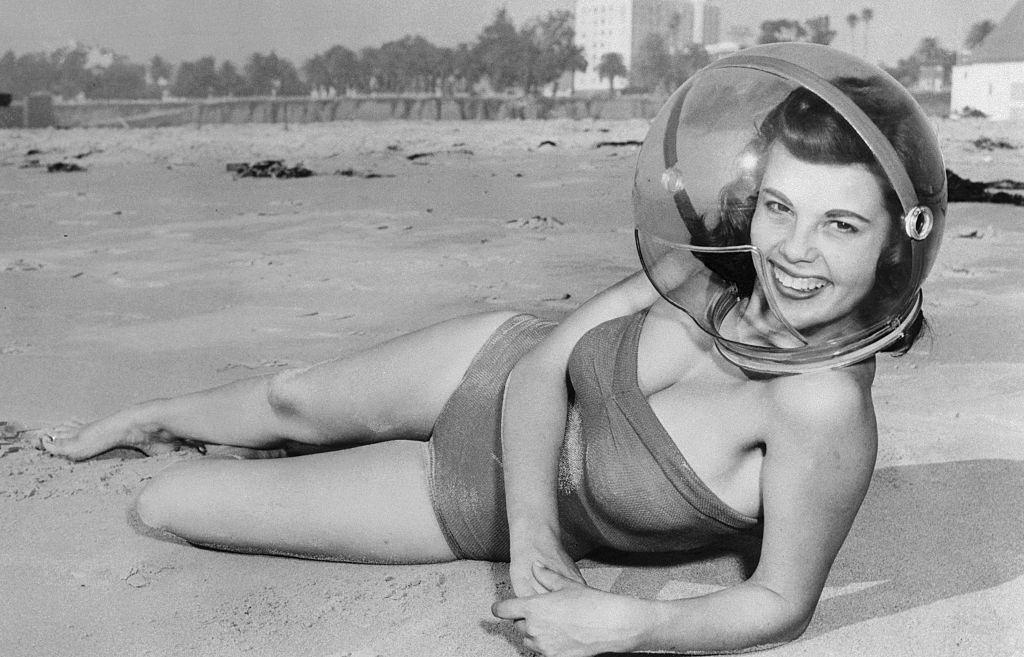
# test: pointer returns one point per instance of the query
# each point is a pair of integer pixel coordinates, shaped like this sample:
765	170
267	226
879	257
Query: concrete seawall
152	113
155	113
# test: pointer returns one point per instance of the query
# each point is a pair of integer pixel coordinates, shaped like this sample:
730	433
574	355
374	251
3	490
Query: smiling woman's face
822	228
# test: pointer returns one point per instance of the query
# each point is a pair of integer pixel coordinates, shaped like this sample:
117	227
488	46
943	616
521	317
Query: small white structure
991	78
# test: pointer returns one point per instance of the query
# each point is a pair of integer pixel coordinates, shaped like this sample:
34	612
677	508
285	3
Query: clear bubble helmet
791	199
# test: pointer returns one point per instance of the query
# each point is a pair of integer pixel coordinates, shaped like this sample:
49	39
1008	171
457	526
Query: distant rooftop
1006	42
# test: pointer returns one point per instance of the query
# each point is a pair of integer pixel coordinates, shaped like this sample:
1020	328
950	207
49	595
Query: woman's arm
533	424
814	477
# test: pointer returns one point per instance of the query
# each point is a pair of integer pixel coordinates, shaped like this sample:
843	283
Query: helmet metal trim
918	223
757	363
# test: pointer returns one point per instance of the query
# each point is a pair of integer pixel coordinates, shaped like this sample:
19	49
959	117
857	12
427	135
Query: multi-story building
605	26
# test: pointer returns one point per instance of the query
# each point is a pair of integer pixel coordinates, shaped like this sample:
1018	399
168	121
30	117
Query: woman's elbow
778	618
791	620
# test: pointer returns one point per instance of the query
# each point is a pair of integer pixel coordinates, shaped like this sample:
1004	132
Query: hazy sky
232	29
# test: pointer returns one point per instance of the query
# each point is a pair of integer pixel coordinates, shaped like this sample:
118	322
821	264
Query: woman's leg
393	390
365	504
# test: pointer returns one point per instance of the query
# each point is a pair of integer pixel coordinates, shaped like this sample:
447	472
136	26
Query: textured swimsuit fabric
623	483
466	482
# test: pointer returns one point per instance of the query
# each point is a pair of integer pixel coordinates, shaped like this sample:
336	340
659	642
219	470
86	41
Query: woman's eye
844	227
776	207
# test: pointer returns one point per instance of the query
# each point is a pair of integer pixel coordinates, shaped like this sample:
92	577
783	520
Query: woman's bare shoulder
823	406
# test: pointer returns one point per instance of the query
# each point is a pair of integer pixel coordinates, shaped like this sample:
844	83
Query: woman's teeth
794	283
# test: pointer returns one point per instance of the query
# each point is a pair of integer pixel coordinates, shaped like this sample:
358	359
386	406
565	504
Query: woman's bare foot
79	441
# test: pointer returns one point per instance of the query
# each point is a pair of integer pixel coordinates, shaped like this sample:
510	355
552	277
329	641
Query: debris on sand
418	156
10	431
23	265
989	144
353	173
1007	183
14	437
536	222
969	112
268	169
64	167
627	142
962	190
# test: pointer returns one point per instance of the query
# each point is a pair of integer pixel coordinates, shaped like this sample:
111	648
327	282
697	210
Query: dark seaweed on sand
64	167
962	190
269	169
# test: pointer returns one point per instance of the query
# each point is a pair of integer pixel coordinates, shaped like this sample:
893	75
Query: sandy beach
154	271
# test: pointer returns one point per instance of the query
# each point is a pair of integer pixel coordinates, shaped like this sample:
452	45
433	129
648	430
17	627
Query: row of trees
813	30
659	66
69	72
529	58
928	53
817	29
853	19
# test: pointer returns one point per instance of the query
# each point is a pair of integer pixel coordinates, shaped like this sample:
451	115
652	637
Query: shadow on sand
925	533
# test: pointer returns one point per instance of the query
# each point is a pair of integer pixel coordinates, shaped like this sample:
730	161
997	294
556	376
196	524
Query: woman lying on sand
789	202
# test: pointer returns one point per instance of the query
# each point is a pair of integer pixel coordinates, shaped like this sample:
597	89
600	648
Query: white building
605	26
991	78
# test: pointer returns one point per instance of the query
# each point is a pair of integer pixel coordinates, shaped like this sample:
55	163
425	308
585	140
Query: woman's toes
52	442
69	440
61	435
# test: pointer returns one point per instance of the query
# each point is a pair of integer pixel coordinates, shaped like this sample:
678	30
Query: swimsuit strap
642	418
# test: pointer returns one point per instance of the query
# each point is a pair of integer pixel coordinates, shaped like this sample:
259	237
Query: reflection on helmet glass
770	202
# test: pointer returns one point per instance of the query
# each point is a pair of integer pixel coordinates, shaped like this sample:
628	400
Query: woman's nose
798	244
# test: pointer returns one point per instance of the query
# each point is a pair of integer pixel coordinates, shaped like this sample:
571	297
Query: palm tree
852	19
611	66
866	15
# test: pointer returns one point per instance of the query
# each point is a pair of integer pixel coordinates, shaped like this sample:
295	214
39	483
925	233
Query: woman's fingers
512	609
553	580
524	583
520	626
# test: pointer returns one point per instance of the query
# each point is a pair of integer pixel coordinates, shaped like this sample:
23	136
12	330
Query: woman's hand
544	550
571	619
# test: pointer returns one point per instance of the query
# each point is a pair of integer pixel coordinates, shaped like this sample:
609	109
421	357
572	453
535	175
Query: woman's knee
165	499
358	392
290	396
286	393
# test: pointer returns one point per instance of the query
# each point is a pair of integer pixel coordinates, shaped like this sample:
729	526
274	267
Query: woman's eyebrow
777	194
837	212
841	212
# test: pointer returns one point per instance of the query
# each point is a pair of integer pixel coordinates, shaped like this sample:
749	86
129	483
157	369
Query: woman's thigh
393	390
367	504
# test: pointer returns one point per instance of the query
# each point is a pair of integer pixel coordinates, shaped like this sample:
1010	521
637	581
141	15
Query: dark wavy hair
813	131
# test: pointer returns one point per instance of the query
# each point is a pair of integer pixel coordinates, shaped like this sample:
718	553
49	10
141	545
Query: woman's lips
795	285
